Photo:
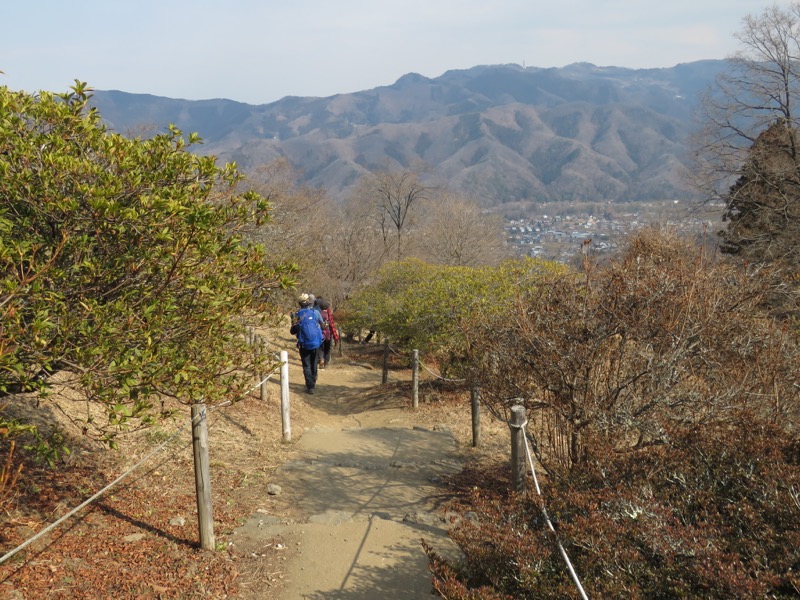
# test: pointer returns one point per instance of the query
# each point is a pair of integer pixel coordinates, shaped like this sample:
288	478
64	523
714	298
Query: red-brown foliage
662	399
713	516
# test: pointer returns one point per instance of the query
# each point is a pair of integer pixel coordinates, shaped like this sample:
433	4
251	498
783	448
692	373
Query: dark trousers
309	360
325	352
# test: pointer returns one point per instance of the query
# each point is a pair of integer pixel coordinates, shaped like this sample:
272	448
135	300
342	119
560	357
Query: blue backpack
309	334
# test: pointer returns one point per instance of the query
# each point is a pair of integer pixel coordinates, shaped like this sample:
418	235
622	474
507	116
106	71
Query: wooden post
202	476
257	346
385	378
475	401
517	425
415	380
287	426
262	377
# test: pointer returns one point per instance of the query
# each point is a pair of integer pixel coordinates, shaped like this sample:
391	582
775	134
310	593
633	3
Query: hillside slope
501	133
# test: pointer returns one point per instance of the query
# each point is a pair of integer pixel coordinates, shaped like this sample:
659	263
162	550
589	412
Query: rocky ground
338	512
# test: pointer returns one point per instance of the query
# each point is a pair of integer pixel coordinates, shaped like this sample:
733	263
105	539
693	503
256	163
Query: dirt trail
358	491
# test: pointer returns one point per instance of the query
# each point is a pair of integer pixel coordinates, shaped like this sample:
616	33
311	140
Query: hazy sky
258	51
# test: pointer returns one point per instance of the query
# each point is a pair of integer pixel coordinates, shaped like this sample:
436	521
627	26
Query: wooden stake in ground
415	380
385	378
285	421
475	403
202	476
517	425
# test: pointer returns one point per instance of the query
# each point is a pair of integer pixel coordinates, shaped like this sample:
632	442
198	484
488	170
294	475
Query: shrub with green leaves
122	262
437	309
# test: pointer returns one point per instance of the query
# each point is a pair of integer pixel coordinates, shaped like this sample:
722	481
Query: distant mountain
500	133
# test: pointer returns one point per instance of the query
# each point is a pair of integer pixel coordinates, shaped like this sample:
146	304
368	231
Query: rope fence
132	469
529	458
543	508
424	366
203	415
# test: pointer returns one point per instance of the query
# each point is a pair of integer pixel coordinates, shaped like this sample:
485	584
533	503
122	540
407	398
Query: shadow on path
366	499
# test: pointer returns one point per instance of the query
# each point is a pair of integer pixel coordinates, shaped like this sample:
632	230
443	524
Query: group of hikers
316	334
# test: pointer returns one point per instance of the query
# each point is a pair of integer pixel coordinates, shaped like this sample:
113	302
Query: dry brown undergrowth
131	543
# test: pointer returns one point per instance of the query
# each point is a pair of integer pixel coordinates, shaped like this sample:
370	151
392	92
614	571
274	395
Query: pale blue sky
258	51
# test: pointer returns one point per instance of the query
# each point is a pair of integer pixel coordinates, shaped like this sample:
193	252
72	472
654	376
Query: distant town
558	232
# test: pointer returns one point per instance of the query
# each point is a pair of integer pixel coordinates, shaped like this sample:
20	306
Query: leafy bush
437	309
122	262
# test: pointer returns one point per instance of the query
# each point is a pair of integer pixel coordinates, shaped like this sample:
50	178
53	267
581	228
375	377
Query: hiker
330	335
307	326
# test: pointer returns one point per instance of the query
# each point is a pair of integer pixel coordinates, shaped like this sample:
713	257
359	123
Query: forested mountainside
500	133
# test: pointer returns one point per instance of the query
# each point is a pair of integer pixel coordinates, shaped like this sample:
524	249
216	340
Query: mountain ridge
499	133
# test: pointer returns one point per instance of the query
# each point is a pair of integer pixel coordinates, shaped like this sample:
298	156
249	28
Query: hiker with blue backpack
307	326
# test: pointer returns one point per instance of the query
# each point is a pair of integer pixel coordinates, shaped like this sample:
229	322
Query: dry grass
130	543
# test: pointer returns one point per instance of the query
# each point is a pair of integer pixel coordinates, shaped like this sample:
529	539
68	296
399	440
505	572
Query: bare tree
355	249
394	194
759	90
455	231
747	151
298	217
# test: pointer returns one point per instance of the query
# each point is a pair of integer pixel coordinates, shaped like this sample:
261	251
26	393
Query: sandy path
359	491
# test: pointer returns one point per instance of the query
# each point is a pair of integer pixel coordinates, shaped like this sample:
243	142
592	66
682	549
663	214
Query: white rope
153	452
439	376
547	517
263	381
395	351
97	495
